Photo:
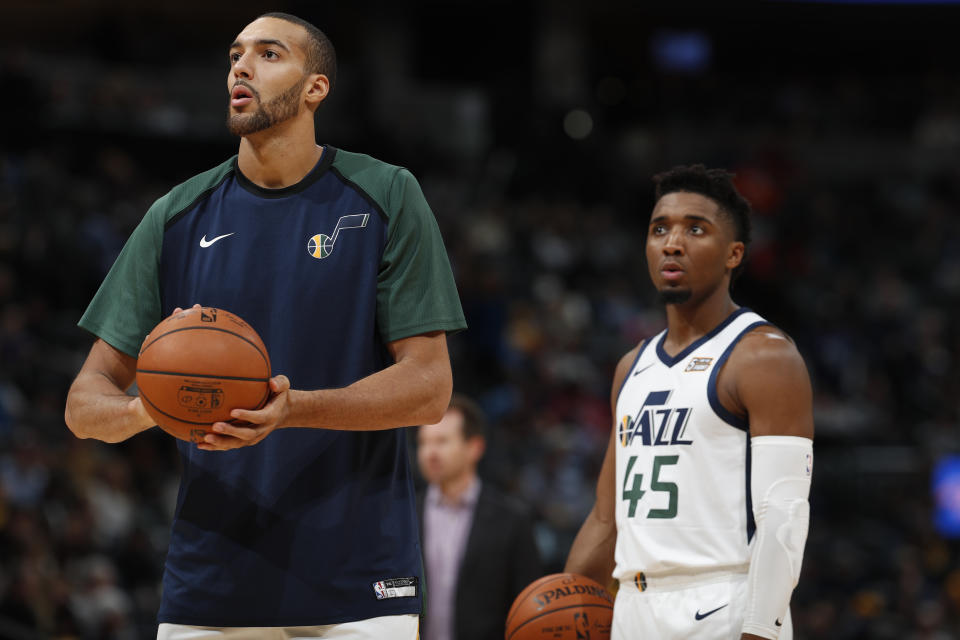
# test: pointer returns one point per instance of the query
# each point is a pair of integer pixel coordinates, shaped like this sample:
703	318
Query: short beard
674	296
281	108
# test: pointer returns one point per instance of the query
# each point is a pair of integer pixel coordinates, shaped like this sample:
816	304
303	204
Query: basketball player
302	524
701	510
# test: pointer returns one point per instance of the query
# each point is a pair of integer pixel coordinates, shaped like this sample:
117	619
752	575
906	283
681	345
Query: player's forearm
780	486
404	394
592	552
97	408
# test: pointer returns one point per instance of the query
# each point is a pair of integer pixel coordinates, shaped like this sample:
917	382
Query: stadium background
534	129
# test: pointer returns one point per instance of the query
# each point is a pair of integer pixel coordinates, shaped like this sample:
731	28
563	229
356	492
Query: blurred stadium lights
945	484
681	51
578	124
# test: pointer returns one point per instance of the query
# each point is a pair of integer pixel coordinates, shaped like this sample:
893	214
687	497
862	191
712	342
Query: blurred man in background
478	546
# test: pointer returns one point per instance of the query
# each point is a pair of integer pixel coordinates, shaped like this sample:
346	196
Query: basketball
198	365
561	606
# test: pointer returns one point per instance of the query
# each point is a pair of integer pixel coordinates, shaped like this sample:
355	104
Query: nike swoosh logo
701	616
206	243
639	371
778	623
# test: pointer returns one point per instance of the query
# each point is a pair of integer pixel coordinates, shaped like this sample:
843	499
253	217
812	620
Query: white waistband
676	580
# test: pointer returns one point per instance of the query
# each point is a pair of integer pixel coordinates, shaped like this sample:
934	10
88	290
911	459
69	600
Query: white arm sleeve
780	486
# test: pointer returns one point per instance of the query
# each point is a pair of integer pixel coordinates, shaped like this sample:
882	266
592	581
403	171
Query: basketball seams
522	601
263	400
172	417
202	375
207	424
203	361
266	360
530	588
552	611
150	388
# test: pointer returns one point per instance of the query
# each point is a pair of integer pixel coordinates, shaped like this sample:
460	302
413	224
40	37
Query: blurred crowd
857	255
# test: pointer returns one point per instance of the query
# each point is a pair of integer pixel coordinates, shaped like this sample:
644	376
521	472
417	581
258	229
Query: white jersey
683	461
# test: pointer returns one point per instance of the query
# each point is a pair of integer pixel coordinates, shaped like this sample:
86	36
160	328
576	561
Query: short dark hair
474	421
716	184
321	56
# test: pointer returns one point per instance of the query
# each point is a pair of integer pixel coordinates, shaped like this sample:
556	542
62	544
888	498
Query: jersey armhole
713	397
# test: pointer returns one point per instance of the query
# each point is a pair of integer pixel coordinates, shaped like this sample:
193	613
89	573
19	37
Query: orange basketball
198	365
561	606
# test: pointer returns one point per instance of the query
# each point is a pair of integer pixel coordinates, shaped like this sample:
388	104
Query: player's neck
692	320
454	489
280	156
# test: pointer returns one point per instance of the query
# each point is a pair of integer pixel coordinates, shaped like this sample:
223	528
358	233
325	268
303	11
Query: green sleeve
127	305
415	288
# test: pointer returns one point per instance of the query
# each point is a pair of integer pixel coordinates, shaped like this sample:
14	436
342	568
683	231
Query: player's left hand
262	421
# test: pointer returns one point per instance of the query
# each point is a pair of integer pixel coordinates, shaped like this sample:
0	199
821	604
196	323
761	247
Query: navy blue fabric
295	530
670	361
722	412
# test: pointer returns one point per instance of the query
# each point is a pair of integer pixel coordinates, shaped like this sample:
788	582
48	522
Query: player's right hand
259	423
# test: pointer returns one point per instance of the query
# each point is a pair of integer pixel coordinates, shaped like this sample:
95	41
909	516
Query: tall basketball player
302	523
702	500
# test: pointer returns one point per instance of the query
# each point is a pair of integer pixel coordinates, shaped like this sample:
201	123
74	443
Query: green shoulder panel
416	292
127	305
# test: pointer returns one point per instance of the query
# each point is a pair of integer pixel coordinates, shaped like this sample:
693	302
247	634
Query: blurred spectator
100	606
478	546
23	473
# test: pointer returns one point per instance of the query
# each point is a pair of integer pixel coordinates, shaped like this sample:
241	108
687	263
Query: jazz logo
321	245
656	424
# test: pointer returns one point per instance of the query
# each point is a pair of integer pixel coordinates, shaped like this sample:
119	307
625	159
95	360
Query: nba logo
582	626
380	590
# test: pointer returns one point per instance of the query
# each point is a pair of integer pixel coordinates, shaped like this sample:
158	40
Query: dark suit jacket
501	559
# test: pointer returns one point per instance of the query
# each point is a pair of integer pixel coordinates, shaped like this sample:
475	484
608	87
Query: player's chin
673	294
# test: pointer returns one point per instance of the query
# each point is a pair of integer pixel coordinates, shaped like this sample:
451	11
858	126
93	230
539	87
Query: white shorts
678	609
404	627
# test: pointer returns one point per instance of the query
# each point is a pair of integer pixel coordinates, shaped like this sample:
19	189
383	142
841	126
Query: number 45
635	492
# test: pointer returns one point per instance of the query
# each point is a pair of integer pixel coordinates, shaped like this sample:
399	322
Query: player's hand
179	309
262	421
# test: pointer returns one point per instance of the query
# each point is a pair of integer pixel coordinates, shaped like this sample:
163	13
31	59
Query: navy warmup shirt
310	526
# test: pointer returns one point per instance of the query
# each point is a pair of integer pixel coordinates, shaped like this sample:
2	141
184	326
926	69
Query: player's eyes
234	57
696	229
269	54
657	229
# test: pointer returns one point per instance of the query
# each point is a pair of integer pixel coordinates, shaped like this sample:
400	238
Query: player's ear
735	254
318	88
